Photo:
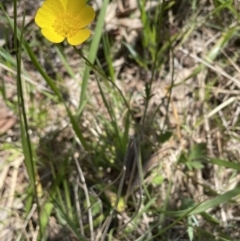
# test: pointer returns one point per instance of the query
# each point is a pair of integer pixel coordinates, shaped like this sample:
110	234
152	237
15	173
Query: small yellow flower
60	19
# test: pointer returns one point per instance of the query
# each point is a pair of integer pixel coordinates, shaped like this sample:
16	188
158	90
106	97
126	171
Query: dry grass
187	138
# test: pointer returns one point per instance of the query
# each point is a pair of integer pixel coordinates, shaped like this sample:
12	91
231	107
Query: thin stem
22	109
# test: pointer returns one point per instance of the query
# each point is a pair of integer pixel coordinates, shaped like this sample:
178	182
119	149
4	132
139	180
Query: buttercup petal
64	3
43	18
51	35
86	16
53	7
81	36
75	7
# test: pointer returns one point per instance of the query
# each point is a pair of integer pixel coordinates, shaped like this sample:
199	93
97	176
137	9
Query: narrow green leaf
45	214
214	202
224	163
93	52
221	43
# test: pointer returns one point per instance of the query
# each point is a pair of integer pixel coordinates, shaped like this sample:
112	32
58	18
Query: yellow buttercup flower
60	19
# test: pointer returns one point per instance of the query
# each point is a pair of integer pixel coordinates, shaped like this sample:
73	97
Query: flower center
66	25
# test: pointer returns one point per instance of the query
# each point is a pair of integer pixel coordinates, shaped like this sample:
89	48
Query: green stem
22	110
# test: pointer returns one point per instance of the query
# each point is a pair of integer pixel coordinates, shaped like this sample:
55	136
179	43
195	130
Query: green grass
132	136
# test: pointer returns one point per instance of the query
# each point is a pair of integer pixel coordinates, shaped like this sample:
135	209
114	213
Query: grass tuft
134	135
